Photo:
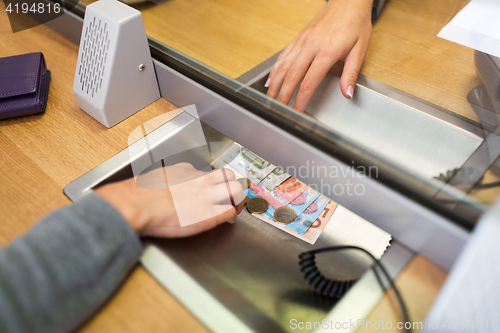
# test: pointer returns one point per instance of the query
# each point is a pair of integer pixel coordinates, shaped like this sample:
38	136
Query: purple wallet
24	85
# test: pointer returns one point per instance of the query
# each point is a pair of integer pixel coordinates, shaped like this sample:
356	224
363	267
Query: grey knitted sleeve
57	275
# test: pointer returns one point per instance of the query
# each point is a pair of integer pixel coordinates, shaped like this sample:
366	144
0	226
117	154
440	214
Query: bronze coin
257	205
284	215
245	182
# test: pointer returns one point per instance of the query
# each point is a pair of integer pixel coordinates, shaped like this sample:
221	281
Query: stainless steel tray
245	277
241	277
419	137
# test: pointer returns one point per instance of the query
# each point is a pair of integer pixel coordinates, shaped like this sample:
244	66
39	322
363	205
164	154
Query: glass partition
230	36
412	115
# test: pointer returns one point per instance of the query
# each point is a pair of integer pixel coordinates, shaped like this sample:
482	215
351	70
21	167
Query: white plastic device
114	75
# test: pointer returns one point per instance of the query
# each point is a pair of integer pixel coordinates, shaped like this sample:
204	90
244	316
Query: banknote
270	212
312	212
314	231
249	164
312	234
272	197
290	189
300	225
251	194
279	189
304	200
275	178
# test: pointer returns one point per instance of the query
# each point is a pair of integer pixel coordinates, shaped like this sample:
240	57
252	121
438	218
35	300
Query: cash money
269	212
312	234
251	194
249	164
284	215
300	225
308	225
275	178
245	183
324	217
315	230
290	189
304	200
312	212
257	205
272	197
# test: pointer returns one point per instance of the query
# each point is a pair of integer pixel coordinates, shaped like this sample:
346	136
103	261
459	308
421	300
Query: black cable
336	289
379	280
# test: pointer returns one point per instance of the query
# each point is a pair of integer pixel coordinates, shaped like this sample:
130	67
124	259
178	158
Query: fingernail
267	82
350	91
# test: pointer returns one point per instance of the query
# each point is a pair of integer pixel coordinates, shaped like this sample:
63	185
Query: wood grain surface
419	284
41	154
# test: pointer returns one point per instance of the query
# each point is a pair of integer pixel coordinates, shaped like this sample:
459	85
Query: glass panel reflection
416	108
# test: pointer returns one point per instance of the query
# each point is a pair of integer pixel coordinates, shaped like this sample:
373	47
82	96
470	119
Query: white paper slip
477	26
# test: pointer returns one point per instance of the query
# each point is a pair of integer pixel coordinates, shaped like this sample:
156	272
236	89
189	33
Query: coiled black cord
321	284
336	289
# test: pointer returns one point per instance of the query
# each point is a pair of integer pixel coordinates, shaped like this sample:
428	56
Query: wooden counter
41	154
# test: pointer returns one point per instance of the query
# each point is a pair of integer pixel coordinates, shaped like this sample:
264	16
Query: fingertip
347	89
232	215
350	73
350	91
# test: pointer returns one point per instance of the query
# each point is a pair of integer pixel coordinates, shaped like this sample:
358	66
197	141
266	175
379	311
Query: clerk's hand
190	202
341	31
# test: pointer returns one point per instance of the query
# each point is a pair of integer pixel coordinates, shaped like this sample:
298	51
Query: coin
245	182
284	215
257	205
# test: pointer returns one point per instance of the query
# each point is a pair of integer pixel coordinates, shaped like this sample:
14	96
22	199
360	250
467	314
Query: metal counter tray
243	277
417	136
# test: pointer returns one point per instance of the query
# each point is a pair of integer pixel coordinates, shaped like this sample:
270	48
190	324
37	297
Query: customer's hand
193	201
341	31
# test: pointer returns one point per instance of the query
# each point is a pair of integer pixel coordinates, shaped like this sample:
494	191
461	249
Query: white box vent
93	55
114	74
